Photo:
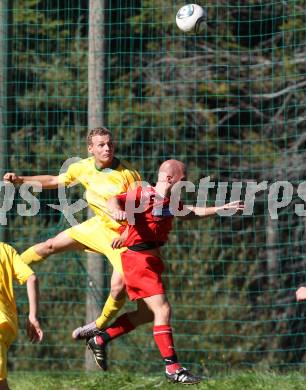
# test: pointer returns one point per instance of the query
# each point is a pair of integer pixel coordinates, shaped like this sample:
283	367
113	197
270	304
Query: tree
96	114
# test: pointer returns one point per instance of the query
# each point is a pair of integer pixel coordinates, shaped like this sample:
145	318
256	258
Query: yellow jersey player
13	268
103	176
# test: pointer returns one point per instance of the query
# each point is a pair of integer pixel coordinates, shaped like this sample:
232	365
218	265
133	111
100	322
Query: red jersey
153	224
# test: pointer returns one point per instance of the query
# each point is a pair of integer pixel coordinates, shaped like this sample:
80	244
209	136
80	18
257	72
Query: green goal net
230	102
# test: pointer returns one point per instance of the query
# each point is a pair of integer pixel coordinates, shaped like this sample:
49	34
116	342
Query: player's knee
48	247
117	290
165	312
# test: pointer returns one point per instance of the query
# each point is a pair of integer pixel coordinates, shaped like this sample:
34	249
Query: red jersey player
143	266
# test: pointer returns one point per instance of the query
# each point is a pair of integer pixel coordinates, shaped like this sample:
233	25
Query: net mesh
230	102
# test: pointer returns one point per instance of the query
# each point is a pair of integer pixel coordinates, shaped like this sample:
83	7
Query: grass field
128	381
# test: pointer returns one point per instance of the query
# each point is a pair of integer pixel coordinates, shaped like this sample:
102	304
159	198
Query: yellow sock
109	311
30	255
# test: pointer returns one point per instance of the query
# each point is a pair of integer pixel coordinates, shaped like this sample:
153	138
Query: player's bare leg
60	243
142	315
124	324
162	333
160	306
113	304
117	286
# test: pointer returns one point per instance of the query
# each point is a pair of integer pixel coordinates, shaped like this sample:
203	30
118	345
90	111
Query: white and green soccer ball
191	18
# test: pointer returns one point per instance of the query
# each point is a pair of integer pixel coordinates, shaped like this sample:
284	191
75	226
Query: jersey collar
115	165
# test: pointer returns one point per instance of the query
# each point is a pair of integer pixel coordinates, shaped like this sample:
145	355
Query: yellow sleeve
21	271
132	177
70	176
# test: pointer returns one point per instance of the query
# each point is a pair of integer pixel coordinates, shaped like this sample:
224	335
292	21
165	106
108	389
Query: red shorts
142	274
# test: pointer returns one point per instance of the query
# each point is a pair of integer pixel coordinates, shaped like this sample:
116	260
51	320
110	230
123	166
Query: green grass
247	380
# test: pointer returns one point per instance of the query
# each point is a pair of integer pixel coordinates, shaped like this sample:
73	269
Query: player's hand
237	205
300	294
117	243
119	215
11	177
34	332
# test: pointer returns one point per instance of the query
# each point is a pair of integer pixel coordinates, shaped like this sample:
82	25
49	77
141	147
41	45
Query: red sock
164	340
121	326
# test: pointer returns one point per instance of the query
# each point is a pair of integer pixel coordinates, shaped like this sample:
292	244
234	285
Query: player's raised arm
202	212
34	331
47	181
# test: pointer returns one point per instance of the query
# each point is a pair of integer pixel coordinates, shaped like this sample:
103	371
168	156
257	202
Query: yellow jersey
101	184
11	267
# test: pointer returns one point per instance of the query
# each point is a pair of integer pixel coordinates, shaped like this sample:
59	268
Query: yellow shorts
97	236
7	336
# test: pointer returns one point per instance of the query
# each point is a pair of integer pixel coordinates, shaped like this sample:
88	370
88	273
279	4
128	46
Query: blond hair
97	131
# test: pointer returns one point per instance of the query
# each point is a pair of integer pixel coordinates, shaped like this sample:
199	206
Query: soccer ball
191	17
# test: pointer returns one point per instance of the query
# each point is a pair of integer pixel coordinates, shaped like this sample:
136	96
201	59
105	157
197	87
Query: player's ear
89	148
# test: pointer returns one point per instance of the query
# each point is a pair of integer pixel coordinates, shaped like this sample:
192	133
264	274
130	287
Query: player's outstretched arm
202	212
47	181
34	330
